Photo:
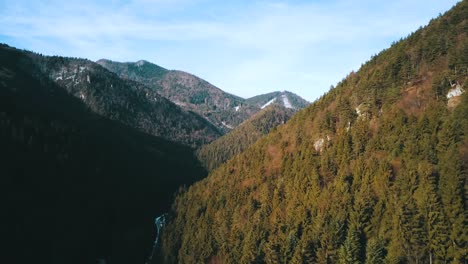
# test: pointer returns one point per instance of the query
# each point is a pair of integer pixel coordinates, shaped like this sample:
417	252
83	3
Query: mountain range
284	98
78	186
90	158
95	154
222	109
126	101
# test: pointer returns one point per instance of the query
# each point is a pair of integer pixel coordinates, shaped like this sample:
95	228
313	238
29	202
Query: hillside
285	98
140	71
224	110
375	171
239	139
78	187
125	101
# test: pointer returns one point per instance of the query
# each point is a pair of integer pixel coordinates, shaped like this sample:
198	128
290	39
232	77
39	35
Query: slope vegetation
126	101
236	141
77	187
224	110
375	171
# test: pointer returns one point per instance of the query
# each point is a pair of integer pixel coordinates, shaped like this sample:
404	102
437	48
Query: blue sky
243	47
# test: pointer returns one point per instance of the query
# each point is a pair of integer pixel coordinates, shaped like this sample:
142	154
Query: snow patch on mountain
269	103
179	103
72	77
227	125
286	102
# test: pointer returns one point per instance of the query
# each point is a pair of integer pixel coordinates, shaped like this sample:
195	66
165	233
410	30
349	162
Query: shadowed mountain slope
78	187
126	101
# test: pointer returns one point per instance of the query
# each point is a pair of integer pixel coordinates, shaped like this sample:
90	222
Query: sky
243	47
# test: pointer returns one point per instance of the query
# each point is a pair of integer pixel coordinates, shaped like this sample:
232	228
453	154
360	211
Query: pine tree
375	251
272	253
350	251
431	209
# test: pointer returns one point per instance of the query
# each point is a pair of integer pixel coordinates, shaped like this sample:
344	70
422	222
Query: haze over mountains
374	171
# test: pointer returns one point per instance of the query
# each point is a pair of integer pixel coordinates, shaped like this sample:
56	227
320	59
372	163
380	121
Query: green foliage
126	101
375	251
235	142
138	71
350	251
188	91
199	98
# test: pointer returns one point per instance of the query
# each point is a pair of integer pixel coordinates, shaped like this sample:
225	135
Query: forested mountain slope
224	110
77	187
375	171
239	139
126	101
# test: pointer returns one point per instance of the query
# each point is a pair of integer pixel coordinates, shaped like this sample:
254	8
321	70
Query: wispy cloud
245	47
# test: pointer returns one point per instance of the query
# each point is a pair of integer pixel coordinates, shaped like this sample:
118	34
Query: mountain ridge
212	155
284	98
129	102
372	172
78	186
221	108
189	92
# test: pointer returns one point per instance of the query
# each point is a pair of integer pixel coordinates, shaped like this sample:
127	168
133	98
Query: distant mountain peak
226	111
269	103
286	101
140	62
284	98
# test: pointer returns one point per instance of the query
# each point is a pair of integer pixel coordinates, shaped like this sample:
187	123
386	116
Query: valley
113	162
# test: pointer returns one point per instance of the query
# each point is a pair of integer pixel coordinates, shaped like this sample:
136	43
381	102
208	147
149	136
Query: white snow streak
269	103
286	102
226	125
